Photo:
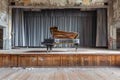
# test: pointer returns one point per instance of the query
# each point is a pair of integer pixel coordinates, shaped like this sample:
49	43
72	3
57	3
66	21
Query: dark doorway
1	38
118	38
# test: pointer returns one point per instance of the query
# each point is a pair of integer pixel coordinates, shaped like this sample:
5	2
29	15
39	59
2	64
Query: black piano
49	43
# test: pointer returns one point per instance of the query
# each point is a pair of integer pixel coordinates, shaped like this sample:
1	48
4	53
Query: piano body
62	34
60	37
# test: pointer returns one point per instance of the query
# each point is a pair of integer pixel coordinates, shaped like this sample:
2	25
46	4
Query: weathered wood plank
58	60
60	74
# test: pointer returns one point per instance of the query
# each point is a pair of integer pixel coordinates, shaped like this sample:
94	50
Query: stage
59	57
60	51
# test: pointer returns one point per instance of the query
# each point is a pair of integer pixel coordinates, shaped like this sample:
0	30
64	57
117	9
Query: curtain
101	39
30	28
18	29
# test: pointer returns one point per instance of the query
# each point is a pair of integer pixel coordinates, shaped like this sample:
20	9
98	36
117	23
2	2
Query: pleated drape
30	28
18	30
101	37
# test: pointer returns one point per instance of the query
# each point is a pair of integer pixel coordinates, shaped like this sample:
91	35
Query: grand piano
60	37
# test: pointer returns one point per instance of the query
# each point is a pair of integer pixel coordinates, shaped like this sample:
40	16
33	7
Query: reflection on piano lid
61	41
66	41
57	34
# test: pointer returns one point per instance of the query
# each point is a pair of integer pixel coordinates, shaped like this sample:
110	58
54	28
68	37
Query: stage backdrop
30	28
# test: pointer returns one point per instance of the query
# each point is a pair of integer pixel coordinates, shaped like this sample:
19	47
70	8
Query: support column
5	39
7	32
114	20
114	38
111	28
10	28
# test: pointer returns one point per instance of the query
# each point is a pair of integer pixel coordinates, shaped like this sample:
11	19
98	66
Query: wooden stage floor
59	51
60	74
59	57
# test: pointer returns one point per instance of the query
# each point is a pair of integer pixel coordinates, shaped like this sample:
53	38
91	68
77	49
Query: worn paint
116	8
3	13
4	22
59	2
115	23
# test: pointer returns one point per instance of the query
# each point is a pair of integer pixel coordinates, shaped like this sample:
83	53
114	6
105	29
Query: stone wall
3	13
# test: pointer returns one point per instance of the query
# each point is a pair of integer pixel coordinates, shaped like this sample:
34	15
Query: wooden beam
58	60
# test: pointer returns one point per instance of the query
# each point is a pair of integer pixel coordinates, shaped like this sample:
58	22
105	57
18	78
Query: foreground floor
60	74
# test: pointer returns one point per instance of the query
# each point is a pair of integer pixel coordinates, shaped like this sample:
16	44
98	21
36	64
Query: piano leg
76	46
49	48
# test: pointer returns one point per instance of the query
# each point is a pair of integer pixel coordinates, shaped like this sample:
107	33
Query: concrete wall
116	10
114	23
4	18
3	13
59	2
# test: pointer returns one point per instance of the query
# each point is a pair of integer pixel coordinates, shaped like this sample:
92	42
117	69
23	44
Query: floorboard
103	73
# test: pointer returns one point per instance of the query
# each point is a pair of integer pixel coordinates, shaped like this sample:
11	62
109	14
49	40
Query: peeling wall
116	8
3	13
114	21
116	24
59	2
